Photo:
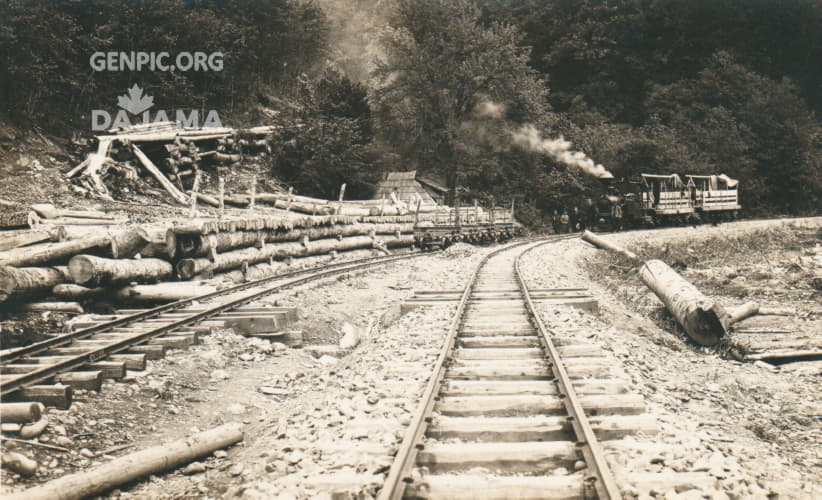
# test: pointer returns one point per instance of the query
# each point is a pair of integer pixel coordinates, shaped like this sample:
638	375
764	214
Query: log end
186	268
708	325
81	269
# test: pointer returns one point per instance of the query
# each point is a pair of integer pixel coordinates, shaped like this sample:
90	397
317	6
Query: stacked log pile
152	262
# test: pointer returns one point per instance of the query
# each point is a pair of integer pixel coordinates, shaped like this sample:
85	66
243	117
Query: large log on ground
90	270
126	244
187	268
52	252
702	319
25	237
135	466
27	282
161	292
10	219
607	245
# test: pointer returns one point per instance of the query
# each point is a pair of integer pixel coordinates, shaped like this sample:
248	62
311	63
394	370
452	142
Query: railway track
106	349
513	412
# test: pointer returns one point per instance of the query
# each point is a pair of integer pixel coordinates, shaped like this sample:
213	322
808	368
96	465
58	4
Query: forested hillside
472	92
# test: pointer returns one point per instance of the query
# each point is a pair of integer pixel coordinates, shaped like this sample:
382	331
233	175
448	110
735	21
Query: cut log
49	211
162	292
126	244
63	307
777	311
207	199
135	465
21	238
21	412
162	179
18	218
72	291
187	268
702	319
203	246
28	282
90	270
744	311
604	244
51	252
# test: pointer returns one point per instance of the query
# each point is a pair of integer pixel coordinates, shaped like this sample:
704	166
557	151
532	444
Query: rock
579	465
219	375
63	441
236	409
328	360
272	391
86	453
351	336
220	454
279	346
246	357
194	468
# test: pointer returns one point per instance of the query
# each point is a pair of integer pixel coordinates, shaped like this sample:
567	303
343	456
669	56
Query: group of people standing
573	220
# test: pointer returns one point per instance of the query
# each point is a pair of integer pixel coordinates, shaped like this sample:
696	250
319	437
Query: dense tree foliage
686	86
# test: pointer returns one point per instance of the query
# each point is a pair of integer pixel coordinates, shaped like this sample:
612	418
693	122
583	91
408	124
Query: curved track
512	411
98	347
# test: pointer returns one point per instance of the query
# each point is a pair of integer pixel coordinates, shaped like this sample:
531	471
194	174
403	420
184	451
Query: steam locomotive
660	200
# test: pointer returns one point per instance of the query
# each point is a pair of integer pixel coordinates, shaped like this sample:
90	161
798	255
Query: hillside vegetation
470	92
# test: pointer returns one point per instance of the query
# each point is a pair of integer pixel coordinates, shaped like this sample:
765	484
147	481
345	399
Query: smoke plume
528	137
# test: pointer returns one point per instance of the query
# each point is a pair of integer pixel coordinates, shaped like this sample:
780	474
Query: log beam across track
97	347
513	411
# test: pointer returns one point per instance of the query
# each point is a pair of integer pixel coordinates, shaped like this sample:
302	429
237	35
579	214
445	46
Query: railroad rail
509	398
42	361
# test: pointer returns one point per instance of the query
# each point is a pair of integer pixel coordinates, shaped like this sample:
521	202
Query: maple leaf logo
135	102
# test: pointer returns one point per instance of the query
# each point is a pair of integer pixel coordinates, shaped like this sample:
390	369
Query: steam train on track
664	200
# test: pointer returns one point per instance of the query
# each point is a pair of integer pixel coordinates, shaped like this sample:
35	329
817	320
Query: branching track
98	348
510	410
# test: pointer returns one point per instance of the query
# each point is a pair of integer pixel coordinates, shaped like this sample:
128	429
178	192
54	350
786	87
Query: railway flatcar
466	224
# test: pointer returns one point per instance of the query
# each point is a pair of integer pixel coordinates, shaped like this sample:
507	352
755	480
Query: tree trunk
134	466
278	251
25	237
21	412
204	246
64	307
167	185
702	319
90	271
607	245
27	282
162	292
18	218
48	252
72	291
126	244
